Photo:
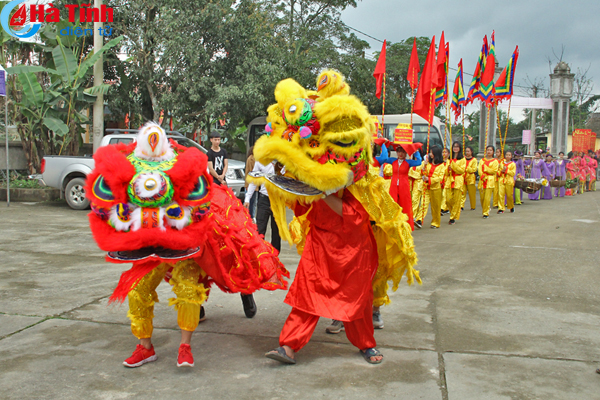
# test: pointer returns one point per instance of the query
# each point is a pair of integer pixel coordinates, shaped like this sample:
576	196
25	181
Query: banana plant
53	111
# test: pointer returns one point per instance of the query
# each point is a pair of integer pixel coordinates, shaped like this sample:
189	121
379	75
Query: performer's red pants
300	326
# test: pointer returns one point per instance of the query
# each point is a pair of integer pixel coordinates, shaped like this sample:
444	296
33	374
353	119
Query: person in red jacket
400	185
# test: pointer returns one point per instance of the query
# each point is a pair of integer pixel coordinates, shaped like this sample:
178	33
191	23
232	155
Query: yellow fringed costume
325	145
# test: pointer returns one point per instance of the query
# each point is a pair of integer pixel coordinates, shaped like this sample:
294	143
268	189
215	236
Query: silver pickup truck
68	173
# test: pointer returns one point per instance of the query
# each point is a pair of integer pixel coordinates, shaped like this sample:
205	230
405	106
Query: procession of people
444	179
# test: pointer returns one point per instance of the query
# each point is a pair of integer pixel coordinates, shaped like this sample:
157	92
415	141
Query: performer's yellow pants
416	195
496	196
508	191
446	194
435	196
455	203
190	296
485	195
468	189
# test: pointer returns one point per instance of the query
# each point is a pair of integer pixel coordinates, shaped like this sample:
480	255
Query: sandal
372	352
280	355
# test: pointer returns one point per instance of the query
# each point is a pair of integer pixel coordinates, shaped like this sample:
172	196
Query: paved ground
509	309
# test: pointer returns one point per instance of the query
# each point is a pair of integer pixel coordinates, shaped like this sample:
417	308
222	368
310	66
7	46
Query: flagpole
463	126
499	125
507	120
487	125
431	100
383	109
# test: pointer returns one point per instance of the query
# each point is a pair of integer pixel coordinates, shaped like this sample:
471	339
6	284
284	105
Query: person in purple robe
538	169
547	190
560	173
520	171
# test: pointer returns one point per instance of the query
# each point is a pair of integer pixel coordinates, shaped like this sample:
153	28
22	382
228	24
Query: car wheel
75	194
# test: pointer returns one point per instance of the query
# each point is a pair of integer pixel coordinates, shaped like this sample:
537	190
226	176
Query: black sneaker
462	209
486	216
202	315
434	227
249	305
500	211
418	224
451	222
512	210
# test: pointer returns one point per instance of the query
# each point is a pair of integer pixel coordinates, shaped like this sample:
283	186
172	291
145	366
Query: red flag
413	67
380	71
486	86
423	101
440	65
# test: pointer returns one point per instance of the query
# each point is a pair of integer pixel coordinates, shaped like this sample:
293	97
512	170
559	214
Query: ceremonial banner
423	103
379	72
526	137
413	67
504	84
474	89
458	94
403	134
581	139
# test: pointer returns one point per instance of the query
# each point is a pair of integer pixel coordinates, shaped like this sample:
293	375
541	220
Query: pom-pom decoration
268	129
305	132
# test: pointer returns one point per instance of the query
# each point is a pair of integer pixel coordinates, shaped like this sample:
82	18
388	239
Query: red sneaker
140	356
185	358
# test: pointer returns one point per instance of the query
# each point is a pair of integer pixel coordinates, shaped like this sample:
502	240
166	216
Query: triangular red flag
413	67
380	70
440	80
423	101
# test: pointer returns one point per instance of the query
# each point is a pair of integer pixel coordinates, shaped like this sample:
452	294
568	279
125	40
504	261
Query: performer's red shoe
185	358
140	356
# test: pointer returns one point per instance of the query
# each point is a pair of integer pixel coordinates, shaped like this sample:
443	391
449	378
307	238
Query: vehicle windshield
256	131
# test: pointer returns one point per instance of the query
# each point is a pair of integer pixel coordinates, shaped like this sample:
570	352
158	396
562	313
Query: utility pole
533	119
98	121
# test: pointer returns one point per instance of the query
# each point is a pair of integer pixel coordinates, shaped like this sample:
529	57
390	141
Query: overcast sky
537	26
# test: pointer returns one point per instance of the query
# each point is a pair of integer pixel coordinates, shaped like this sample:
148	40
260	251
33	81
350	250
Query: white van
256	129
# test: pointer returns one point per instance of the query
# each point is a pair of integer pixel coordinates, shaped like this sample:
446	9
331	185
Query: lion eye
293	109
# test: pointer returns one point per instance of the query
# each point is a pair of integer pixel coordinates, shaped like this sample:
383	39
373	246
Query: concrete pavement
508	309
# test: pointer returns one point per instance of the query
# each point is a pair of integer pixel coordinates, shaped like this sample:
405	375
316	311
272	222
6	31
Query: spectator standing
217	159
250	161
263	208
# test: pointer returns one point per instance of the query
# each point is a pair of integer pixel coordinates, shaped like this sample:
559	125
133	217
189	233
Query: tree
51	86
584	103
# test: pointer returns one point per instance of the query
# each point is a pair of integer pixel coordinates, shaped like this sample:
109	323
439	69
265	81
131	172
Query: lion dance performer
352	236
154	204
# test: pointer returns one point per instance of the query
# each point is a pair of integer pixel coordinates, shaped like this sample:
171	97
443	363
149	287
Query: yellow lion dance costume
323	139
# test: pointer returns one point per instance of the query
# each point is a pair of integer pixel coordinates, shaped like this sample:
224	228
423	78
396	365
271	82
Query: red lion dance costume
153	204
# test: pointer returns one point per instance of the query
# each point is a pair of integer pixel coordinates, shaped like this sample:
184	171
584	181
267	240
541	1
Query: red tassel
130	279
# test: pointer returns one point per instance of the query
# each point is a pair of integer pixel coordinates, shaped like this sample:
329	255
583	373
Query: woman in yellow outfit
488	169
499	158
433	173
446	190
506	183
455	182
469	186
416	191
